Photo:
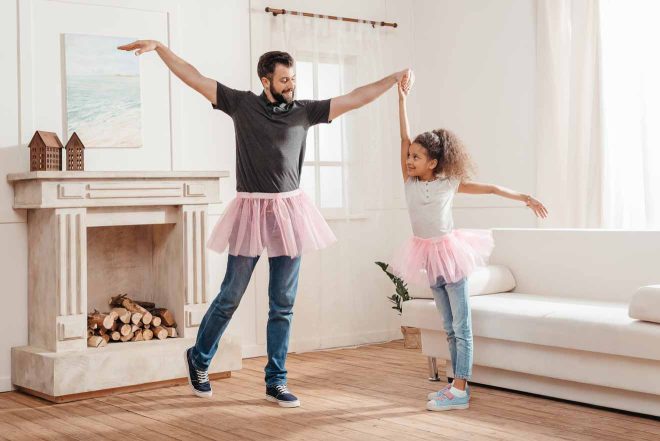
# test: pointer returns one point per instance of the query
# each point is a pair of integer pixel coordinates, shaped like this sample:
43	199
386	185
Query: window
324	165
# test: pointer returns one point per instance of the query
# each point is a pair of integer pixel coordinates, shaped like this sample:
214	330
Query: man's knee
226	303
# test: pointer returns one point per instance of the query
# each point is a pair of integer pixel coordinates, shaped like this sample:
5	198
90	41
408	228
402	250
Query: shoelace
202	376
281	388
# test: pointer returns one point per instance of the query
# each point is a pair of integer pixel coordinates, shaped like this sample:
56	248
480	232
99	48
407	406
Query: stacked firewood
129	320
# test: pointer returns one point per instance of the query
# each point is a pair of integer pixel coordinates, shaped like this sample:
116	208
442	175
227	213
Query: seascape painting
103	102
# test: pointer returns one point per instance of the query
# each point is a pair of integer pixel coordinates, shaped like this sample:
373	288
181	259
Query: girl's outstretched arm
404	87
479	188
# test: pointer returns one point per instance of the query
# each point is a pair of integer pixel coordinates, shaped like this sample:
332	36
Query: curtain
598	98
631	102
569	114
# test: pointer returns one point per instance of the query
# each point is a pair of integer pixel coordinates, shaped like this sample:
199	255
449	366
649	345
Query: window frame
317	163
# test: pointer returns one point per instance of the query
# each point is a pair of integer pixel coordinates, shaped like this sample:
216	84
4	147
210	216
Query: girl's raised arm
404	87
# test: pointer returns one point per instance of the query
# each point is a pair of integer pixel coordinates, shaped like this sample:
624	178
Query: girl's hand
406	83
537	207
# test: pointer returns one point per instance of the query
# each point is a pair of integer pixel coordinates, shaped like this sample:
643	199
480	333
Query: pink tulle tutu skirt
286	224
452	256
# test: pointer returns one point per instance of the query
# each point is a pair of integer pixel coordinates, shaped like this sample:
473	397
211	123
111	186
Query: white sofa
563	330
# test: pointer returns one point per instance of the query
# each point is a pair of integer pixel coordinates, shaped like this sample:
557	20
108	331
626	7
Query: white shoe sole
195	391
452	407
283	403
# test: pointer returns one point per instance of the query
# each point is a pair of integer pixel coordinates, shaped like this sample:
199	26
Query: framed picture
103	102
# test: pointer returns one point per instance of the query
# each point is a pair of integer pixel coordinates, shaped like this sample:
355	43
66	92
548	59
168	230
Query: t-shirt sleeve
227	99
318	111
455	182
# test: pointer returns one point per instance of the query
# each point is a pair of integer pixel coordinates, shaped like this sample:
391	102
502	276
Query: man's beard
280	98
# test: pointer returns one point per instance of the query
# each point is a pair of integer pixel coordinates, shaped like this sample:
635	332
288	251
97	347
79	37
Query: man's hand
401	74
140	46
179	67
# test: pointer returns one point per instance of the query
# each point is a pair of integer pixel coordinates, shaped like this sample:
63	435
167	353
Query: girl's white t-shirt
430	204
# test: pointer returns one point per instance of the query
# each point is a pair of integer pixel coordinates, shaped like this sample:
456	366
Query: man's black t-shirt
270	139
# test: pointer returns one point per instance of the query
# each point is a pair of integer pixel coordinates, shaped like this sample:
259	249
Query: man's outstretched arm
179	67
363	95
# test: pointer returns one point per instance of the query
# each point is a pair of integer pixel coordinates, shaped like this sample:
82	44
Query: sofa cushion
552	321
484	280
491	279
645	304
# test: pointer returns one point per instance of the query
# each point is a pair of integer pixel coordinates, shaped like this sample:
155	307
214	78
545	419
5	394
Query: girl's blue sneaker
449	401
434	395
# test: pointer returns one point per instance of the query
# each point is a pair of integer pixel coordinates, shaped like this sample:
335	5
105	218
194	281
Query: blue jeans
282	288
453	302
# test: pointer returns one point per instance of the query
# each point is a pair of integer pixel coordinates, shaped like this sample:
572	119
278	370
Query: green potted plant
411	335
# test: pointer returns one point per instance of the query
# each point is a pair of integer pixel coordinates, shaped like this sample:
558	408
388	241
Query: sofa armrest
645	304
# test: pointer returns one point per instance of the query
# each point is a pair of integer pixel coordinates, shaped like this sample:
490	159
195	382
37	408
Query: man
270	211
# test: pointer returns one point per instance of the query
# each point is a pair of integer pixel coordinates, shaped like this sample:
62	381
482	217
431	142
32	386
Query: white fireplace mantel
97	234
53	189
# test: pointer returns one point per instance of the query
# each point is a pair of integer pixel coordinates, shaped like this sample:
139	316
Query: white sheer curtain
569	145
598	131
631	102
332	58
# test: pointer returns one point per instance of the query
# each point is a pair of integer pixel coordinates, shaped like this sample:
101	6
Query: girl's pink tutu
286	224
452	256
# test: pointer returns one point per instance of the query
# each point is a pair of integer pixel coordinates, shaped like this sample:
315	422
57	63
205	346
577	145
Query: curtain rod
277	12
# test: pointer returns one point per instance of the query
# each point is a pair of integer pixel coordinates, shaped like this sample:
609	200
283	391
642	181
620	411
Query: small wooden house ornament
75	153
45	151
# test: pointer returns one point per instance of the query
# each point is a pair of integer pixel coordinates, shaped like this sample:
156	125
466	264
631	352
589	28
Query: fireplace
94	235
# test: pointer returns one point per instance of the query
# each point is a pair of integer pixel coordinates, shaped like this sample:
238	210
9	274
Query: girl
435	166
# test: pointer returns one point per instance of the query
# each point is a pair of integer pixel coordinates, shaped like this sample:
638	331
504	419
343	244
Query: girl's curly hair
453	159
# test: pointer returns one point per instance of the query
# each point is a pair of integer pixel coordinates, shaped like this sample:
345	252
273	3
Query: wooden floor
369	393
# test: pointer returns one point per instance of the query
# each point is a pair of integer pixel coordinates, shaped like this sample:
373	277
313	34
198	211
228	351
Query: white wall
13	229
474	62
475	66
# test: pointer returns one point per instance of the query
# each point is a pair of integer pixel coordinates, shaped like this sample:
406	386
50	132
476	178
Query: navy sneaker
199	380
280	394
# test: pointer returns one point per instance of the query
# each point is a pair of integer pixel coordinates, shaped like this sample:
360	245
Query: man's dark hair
269	60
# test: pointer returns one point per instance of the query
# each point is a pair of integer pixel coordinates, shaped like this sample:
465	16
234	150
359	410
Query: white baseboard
5	384
334	342
349	340
251	351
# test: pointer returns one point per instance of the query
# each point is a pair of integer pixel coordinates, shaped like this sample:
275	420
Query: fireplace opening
131	295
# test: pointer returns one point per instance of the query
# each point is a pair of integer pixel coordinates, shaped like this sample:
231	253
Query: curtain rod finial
275	12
